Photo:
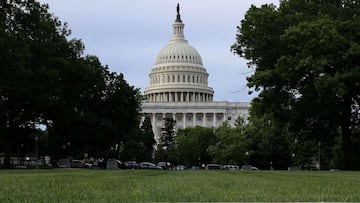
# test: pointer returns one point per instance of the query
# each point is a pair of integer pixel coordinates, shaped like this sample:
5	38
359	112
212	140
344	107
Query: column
187	97
176	98
182	96
184	120
194	119
214	119
153	123
204	119
174	117
193	96
224	116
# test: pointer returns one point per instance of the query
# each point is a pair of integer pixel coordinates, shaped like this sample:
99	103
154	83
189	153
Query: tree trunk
7	156
346	135
8	143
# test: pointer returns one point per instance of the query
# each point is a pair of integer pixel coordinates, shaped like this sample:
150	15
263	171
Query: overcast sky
127	35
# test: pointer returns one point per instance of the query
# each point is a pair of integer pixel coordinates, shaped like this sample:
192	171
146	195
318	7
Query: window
179	117
189	117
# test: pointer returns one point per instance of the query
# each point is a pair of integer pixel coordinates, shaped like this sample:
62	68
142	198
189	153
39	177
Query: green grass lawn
71	185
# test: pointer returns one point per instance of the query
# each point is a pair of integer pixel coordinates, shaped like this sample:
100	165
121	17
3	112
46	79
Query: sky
127	35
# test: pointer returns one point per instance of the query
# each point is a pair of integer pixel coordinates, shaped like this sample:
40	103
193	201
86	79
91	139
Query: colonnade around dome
179	97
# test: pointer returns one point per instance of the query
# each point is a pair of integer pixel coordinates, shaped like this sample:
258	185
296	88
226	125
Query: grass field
71	185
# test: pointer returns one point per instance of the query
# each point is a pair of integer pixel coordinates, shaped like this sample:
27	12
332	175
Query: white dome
178	74
178	52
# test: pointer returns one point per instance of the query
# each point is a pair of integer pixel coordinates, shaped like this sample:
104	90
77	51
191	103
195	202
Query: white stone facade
191	114
179	89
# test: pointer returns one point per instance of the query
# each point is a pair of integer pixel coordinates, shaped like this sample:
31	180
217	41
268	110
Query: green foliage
307	68
166	141
191	146
45	80
230	145
178	186
266	142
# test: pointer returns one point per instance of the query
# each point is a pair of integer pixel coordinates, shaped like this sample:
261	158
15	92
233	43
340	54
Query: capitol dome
178	74
179	52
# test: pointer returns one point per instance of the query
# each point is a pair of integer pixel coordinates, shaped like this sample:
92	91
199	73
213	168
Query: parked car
148	165
231	167
132	165
76	164
213	167
121	165
164	165
180	168
248	167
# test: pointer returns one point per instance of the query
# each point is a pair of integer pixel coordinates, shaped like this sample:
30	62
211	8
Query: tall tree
306	60
148	140
45	79
33	45
166	140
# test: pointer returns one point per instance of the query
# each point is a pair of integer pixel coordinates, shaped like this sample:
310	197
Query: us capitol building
179	89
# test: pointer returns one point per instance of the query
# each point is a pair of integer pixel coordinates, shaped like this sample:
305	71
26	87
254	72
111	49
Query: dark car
77	164
121	165
213	167
132	165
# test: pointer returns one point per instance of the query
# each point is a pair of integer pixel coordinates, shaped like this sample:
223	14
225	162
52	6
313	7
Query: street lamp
36	151
319	155
247	157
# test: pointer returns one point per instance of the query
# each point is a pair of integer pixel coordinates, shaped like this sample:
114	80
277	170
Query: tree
306	60
230	145
147	141
33	45
166	139
191	146
267	144
140	146
45	79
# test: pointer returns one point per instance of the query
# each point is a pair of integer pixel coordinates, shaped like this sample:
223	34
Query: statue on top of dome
178	18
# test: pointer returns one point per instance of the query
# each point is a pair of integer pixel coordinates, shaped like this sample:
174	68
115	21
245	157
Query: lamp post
293	158
319	144
36	151
247	157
